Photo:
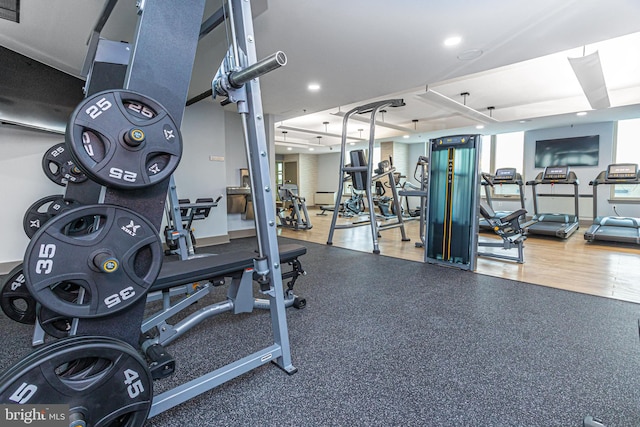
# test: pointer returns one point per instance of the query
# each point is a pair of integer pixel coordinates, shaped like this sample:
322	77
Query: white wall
584	174
23	183
235	160
203	134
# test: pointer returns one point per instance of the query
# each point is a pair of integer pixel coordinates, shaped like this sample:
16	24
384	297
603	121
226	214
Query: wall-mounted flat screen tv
577	151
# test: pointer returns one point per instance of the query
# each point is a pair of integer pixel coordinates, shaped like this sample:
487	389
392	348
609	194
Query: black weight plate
15	299
43	210
103	379
59	167
124	139
54	324
114	262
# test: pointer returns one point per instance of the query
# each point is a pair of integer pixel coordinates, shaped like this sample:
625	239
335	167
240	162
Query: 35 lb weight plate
104	381
112	265
59	167
124	139
15	299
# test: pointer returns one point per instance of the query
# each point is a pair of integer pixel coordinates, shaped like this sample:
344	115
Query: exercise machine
179	229
559	225
293	213
116	265
361	171
452	212
508	228
502	176
420	174
614	228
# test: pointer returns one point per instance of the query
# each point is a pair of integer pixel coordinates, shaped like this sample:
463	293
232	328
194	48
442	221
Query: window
627	151
485	154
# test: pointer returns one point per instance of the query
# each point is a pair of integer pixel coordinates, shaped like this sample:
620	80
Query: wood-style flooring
604	269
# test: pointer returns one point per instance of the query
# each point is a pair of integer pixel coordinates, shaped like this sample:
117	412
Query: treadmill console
622	171
555	173
505	175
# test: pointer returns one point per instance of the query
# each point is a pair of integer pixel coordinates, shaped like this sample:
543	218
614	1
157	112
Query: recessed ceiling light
581	113
480	127
311	149
289	148
452	41
352	143
405	136
314	87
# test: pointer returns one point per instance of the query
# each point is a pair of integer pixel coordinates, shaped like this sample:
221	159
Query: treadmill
614	228
559	225
503	176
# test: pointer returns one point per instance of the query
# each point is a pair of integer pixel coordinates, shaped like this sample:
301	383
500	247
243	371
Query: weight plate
113	264
15	299
104	381
54	324
124	139
43	210
59	167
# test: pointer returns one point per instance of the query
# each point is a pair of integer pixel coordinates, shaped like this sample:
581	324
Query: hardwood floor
608	270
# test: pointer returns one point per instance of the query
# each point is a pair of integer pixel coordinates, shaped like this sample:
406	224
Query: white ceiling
360	50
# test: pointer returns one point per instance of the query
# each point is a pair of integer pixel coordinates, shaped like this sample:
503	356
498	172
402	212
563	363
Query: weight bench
194	278
508	227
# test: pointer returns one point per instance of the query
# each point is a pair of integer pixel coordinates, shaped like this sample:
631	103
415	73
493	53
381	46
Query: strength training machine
361	172
293	213
452	214
502	177
507	225
128	143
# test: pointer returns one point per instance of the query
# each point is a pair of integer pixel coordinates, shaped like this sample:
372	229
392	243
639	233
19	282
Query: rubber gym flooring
389	342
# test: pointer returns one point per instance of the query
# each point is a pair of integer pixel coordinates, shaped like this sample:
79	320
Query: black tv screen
577	151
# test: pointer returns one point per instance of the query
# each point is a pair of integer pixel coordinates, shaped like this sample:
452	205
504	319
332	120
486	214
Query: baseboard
240	234
6	267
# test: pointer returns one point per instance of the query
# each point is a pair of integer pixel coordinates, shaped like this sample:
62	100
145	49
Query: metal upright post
268	262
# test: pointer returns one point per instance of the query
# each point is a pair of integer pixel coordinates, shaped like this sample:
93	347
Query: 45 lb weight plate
124	139
112	265
104	381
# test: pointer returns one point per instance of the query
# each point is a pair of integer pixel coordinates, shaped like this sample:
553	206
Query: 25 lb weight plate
112	265
104	381
124	139
59	167
15	299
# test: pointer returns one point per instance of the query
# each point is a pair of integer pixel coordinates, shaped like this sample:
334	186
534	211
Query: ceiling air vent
10	9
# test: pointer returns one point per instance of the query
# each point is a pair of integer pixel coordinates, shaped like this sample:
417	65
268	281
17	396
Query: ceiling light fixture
439	100
588	70
313	87
581	113
452	41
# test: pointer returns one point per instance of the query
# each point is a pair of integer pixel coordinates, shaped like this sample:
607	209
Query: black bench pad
175	273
